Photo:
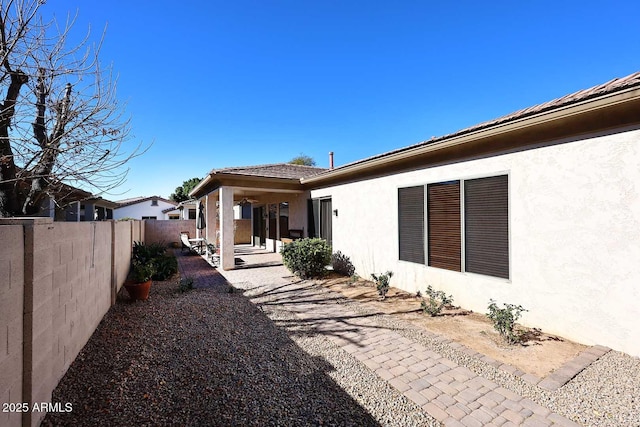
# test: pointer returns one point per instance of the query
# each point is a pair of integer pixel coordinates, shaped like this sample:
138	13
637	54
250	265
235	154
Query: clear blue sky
228	83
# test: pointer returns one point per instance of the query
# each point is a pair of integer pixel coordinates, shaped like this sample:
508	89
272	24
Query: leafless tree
60	120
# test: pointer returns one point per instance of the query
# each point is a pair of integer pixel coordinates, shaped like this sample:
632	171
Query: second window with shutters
443	206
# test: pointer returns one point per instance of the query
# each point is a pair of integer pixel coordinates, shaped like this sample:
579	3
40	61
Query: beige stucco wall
574	236
11	307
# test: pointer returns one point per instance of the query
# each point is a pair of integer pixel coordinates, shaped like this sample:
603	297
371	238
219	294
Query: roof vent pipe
330	160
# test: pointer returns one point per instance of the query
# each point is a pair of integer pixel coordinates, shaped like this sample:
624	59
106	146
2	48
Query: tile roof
140	199
277	170
610	87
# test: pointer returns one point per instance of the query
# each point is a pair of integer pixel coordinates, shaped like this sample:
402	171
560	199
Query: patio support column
198	232
210	215
227	261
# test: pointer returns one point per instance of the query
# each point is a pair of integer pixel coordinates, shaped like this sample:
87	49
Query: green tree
182	193
302	159
60	120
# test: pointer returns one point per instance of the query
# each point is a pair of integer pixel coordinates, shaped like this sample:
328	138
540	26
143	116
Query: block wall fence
57	281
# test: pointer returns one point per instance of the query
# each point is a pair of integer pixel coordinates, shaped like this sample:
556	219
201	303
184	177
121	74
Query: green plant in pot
139	282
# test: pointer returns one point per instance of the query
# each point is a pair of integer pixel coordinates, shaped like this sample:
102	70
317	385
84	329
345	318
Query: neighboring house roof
277	170
141	199
611	95
181	204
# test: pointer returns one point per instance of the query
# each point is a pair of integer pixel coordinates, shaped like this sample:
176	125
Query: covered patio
273	198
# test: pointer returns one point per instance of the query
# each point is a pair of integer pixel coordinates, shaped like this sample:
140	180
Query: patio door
325	220
259	227
320	219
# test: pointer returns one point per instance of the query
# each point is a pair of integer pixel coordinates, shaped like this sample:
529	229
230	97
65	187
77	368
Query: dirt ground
538	353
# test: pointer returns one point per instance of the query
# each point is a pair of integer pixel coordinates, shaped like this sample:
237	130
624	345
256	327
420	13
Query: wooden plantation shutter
443	204
486	219
411	224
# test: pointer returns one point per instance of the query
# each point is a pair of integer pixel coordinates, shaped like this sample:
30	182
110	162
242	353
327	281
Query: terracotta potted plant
139	282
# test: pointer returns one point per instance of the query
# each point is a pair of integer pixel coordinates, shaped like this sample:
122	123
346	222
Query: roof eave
561	113
216	180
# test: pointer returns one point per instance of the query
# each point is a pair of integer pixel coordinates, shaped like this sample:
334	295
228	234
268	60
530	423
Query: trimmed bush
306	257
342	264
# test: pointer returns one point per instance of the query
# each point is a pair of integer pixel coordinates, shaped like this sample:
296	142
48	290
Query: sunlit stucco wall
574	227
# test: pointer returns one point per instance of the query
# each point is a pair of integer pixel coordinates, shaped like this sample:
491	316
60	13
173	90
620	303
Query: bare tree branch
68	126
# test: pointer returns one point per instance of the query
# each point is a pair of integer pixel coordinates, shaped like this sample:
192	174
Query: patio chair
186	244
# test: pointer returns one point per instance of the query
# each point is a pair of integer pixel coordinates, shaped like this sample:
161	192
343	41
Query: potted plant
139	282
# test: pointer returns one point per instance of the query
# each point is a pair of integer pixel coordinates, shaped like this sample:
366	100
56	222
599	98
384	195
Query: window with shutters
472	211
444	240
411	224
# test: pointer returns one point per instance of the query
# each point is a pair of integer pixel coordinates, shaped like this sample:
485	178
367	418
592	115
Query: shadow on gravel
203	357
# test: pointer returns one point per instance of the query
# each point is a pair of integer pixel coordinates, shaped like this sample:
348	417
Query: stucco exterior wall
574	227
144	208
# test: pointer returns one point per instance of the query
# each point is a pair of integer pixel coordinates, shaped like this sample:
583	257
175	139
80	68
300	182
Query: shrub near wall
306	257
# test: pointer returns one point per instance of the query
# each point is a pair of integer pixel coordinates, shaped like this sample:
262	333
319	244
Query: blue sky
215	84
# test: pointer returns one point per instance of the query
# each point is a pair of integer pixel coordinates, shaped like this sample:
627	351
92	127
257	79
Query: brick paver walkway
451	393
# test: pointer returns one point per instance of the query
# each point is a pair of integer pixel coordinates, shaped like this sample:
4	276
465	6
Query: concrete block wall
122	249
57	280
167	231
11	308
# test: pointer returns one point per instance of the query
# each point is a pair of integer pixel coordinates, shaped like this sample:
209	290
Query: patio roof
278	177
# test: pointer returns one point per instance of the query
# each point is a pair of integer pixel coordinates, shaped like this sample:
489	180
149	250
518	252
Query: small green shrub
382	283
142	271
354	278
437	300
342	264
143	252
185	284
306	257
166	266
504	320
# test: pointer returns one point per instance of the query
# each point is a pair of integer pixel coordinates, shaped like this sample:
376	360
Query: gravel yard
244	358
210	357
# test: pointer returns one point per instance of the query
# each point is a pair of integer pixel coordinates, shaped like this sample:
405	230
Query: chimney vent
330	160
